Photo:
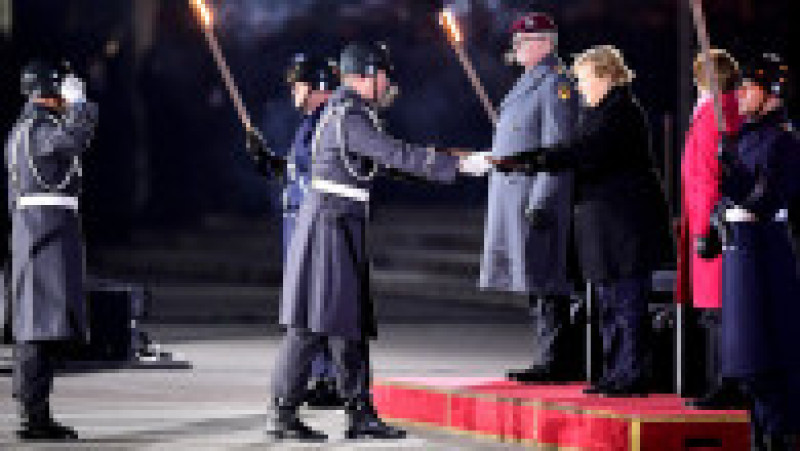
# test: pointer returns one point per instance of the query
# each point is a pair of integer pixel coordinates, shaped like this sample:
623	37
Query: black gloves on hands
528	162
266	162
708	246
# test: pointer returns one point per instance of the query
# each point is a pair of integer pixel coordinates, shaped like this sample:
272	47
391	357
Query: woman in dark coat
620	213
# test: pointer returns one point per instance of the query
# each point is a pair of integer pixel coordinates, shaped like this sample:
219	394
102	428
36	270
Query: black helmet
769	71
320	73
365	59
42	78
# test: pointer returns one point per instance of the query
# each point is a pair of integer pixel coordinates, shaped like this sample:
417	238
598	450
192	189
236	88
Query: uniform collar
533	76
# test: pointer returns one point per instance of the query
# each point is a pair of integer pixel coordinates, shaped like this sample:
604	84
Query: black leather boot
725	396
42	426
289	427
365	423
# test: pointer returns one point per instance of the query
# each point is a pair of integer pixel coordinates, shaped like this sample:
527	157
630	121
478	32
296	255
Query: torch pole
475	81
227	77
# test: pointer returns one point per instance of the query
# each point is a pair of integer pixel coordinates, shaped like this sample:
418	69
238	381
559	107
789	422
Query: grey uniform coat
325	283
541	110
47	263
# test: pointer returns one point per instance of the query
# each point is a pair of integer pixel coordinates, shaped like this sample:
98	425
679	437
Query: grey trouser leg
34	369
296	354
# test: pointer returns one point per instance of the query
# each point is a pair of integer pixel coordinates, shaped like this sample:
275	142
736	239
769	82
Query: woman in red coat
700	192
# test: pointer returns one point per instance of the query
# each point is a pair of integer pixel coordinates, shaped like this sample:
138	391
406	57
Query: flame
205	13
448	20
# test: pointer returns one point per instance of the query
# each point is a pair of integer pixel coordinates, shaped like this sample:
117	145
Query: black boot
289	427
725	396
536	373
324	395
365	423
42	426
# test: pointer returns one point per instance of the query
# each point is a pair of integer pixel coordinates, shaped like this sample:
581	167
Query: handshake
478	163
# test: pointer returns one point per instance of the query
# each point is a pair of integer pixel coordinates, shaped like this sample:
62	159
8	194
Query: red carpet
558	416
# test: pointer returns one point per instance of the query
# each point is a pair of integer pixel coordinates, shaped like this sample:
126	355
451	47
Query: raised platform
558	416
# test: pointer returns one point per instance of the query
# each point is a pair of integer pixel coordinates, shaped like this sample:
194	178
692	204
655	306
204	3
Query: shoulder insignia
564	91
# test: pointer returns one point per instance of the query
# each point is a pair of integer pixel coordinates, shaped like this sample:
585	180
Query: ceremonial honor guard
312	81
43	157
761	289
529	216
326	299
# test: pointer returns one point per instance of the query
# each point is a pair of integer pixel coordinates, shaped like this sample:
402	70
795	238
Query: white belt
739	214
350	192
47	200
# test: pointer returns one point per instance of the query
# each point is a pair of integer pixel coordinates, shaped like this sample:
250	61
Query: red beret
534	23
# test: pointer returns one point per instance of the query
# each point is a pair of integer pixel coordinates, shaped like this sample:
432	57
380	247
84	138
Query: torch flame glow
205	13
448	20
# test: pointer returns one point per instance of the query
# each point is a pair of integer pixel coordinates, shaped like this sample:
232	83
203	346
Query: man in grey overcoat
43	158
529	217
326	298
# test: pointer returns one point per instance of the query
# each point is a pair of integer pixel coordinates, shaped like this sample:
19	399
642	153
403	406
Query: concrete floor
222	402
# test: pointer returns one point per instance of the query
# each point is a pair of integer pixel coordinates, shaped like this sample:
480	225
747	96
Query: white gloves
475	164
73	89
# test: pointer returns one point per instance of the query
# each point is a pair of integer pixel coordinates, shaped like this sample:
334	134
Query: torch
448	21
222	65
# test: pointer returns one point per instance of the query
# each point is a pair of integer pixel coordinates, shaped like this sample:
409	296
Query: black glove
266	162
538	218
708	246
528	162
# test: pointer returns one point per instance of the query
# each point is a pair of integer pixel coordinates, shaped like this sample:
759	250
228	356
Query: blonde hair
725	67
606	61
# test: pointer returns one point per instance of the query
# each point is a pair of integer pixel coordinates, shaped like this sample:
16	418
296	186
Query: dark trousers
554	334
297	352
622	308
34	368
776	402
710	321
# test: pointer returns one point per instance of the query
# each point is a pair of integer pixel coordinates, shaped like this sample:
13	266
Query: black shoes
618	391
725	396
47	429
324	395
289	427
365	423
537	373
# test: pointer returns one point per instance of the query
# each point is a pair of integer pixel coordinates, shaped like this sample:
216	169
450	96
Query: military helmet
769	71
320	73
360	58
42	78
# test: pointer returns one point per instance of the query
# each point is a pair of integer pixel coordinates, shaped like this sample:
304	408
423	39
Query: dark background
169	148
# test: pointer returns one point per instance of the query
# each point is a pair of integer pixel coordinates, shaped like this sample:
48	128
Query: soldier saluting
43	158
325	299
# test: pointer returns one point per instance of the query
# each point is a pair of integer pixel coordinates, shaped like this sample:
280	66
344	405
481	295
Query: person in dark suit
621	226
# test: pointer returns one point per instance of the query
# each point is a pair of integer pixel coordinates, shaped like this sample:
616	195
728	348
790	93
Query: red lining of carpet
559	415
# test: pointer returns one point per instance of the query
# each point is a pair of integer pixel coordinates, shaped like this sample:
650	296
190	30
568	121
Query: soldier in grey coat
43	157
326	298
528	221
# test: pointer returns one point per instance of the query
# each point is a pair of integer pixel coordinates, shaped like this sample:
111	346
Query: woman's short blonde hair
606	61
725	67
